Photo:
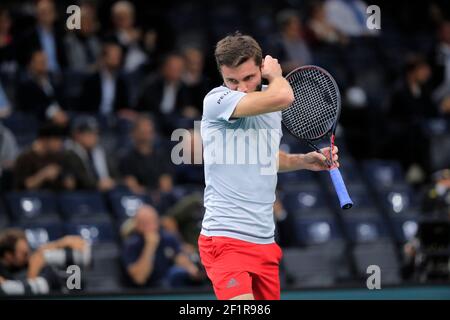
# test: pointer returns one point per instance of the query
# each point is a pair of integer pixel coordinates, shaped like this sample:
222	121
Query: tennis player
236	243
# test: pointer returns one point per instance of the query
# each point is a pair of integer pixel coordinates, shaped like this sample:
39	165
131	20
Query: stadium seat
295	178
104	275
366	229
83	207
316	266
306	200
125	204
405	227
317	230
383	174
382	254
23	126
38	233
400	201
33	207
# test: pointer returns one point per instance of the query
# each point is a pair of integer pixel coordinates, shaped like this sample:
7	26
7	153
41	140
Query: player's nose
242	88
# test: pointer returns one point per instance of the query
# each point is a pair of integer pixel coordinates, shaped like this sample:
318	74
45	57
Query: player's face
244	78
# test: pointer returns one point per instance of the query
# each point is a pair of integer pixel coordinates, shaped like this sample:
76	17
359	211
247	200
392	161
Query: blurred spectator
105	92
410	105
127	35
37	94
195	80
290	47
83	46
146	167
349	17
91	166
7	54
436	199
320	28
5	106
8	154
40	266
153	257
43	164
46	36
441	68
191	170
165	95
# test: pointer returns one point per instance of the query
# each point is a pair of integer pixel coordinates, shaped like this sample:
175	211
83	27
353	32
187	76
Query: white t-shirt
240	169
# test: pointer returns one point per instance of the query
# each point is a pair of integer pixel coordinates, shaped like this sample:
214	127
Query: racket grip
341	190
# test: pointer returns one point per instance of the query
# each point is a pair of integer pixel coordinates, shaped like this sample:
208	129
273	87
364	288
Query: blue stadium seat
94	233
400	201
405	227
124	204
4	220
366	229
293	178
24	127
33	206
383	174
39	233
317	230
306	200
83	207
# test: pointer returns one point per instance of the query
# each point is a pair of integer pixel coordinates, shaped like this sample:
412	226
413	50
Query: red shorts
237	267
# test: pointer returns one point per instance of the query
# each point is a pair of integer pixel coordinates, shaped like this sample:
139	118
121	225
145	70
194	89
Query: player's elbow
286	98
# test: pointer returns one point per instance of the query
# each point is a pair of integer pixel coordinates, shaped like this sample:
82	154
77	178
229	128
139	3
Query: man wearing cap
91	166
43	165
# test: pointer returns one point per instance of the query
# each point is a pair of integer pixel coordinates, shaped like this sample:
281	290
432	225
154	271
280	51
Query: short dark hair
9	239
233	50
49	130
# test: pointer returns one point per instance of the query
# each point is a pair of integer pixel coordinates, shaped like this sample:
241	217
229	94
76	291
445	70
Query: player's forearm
290	162
277	97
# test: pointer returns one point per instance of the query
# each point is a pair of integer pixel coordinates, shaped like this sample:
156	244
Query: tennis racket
314	115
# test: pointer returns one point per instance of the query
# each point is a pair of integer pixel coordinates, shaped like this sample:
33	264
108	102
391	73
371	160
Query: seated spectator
40	266
165	95
43	165
38	93
195	80
105	92
46	36
83	45
410	104
320	29
92	168
191	169
8	56
436	199
290	46
8	154
349	17
153	257
441	68
127	35
146	167
5	106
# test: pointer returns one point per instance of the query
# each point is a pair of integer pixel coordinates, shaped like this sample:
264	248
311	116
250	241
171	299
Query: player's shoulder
217	94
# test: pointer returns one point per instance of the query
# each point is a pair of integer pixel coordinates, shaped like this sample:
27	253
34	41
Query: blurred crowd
93	109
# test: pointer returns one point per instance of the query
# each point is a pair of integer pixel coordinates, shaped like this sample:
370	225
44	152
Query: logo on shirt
232	283
223	96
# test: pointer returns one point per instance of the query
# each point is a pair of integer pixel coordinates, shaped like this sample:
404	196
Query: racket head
317	103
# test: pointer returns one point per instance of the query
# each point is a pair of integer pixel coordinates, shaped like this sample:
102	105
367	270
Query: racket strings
315	108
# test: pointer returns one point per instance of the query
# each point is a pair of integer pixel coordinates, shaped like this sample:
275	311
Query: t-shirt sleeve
219	105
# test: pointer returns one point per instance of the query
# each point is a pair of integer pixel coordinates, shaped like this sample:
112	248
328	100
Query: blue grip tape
341	190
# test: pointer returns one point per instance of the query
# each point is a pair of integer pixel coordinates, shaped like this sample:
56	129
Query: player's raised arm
278	96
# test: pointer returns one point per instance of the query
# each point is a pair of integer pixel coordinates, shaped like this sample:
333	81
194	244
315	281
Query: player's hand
271	68
316	161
